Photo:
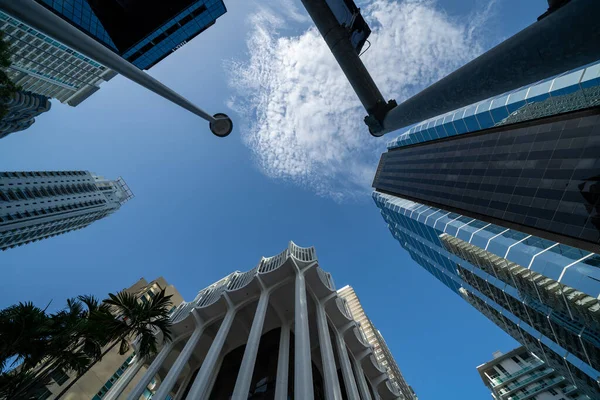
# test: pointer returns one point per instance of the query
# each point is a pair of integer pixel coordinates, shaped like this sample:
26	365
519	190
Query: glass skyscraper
141	31
499	201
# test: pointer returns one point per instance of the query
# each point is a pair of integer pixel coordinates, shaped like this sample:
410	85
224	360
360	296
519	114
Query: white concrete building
374	338
44	66
275	331
41	204
521	375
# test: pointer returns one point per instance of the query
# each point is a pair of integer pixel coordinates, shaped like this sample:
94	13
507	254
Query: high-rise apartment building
21	110
373	336
141	31
46	67
520	375
96	382
277	331
499	201
41	204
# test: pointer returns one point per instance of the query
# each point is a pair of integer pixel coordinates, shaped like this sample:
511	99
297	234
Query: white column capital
328	298
380	378
363	354
345	328
197	318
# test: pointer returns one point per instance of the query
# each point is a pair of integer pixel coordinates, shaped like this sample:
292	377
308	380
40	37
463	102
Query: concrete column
283	361
184	384
244	378
215	373
152	370
349	381
200	387
330	378
167	384
363	386
303	379
116	389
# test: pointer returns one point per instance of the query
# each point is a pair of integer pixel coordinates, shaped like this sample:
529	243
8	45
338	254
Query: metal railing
534	364
537	389
513	386
238	279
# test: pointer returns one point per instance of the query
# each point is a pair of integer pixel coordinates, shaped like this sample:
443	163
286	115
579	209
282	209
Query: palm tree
130	319
24	334
42	344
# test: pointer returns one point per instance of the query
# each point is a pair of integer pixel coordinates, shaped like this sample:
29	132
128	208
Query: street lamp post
564	38
38	17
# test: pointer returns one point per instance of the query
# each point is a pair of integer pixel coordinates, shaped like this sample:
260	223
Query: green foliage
74	338
7	87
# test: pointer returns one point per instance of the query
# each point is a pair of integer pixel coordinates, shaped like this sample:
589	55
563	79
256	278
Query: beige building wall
375	339
92	382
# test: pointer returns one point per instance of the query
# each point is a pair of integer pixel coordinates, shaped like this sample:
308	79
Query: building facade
141	31
278	331
22	108
374	338
499	201
520	375
38	205
43	66
96	382
526	160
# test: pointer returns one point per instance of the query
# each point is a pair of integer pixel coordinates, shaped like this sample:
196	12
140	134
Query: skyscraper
520	374
141	31
22	108
526	160
43	66
278	331
499	201
373	336
107	372
38	205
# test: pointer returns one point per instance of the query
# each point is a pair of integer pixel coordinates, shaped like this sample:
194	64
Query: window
43	394
553	392
501	368
59	376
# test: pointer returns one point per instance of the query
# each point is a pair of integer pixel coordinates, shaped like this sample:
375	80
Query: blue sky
297	167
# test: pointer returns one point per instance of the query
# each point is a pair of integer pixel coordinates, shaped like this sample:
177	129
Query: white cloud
306	122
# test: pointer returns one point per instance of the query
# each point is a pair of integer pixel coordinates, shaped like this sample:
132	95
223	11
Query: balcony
569	389
511	387
534	364
543	386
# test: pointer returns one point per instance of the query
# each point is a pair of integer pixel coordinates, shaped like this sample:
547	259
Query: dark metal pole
338	40
38	17
565	39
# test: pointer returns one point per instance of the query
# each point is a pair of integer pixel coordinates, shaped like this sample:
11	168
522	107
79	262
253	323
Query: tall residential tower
520	375
500	201
46	67
38	205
